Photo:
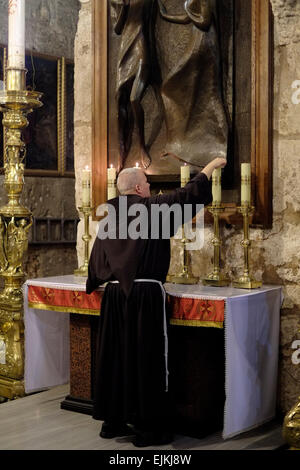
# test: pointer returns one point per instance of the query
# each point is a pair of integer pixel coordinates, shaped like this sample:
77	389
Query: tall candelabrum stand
216	278
185	276
246	281
15	221
83	270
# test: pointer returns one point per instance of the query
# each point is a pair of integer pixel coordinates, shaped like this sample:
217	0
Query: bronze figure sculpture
134	21
196	120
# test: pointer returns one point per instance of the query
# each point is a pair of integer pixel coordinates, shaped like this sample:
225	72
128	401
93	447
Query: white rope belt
165	322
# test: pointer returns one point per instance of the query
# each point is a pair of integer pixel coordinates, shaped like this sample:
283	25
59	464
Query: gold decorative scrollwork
291	427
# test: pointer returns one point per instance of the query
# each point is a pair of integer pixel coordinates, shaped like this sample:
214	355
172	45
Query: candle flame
111	166
137	165
86	167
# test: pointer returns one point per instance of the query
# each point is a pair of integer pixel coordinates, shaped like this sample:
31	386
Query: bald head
133	181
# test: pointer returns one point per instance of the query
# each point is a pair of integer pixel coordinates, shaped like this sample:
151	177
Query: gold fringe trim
56	308
206	324
86	311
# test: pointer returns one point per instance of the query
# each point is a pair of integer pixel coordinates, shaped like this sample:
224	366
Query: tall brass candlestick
185	276
83	270
246	281
216	278
15	222
246	209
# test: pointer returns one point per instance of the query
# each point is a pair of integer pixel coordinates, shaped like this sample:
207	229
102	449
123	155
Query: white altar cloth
252	321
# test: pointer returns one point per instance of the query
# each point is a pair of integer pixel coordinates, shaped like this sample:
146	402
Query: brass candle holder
185	276
291	427
246	281
15	221
83	270
216	278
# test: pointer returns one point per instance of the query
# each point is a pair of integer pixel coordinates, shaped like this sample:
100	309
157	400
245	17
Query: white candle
245	183
86	184
111	173
111	182
216	186
185	174
16	33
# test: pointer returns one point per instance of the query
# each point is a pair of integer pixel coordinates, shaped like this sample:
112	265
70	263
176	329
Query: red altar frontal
210	384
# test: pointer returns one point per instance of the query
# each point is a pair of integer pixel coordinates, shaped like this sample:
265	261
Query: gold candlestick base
216	278
182	278
11	388
83	270
291	427
246	281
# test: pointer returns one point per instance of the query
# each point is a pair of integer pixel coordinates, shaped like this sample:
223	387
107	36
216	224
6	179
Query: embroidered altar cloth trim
70	297
197	312
68	301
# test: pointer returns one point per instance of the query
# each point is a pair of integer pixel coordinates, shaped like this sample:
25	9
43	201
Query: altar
223	350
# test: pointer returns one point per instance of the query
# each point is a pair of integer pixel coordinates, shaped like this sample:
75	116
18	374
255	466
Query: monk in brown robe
131	385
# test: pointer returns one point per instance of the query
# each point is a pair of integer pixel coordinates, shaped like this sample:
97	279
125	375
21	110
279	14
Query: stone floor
37	422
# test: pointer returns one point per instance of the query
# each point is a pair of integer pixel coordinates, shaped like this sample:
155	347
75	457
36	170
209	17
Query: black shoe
145	439
109	431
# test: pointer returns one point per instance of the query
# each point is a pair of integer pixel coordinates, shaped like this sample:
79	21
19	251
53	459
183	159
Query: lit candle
245	183
111	182
185	174
16	33
216	186
137	165
86	183
111	173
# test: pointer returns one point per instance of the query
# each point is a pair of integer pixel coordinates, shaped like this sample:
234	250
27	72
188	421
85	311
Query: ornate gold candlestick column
15	222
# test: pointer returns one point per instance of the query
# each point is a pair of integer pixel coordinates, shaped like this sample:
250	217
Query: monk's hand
219	162
213	165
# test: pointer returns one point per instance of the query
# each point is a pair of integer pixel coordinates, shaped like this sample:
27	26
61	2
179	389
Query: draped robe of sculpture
196	120
134	21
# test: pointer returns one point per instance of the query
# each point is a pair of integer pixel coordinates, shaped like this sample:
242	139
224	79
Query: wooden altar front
197	359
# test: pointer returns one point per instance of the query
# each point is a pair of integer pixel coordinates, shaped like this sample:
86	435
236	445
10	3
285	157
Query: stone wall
275	253
50	29
83	108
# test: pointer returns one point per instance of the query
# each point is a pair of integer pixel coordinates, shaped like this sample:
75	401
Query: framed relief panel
49	135
242	36
41	134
